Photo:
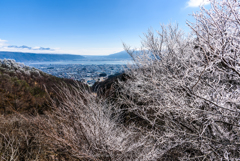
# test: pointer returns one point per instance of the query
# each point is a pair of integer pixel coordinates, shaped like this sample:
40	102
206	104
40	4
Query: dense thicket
187	88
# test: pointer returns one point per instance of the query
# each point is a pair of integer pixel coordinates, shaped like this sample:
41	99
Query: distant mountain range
33	57
123	55
120	55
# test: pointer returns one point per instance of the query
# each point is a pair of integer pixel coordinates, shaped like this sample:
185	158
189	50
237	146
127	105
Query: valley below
88	74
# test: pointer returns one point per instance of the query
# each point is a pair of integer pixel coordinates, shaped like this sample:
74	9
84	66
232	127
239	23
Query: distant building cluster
88	74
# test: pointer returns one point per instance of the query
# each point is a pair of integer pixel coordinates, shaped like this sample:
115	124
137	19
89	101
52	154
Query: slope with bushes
25	93
26	89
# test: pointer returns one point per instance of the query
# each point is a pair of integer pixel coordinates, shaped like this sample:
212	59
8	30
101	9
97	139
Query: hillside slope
26	89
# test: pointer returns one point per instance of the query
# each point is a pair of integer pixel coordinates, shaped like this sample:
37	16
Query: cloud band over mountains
30	48
4	46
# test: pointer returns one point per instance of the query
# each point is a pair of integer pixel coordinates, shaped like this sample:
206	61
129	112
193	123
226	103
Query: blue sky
86	27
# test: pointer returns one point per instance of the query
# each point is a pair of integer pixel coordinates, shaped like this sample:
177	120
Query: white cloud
4	46
37	47
3	43
197	3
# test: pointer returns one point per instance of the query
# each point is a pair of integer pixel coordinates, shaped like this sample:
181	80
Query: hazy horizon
32	52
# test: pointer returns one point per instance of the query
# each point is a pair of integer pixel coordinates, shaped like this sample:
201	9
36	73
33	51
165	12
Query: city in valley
88	74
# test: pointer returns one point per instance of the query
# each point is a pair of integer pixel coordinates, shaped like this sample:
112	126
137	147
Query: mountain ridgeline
123	55
33	57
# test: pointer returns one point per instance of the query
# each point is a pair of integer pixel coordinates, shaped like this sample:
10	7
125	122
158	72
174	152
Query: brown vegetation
29	91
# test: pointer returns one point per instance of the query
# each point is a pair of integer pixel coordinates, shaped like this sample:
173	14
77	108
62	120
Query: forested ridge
27	89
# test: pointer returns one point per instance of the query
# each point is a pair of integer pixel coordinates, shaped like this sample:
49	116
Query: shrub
187	87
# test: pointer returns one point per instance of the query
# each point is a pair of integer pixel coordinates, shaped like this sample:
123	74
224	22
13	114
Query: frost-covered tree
187	87
217	32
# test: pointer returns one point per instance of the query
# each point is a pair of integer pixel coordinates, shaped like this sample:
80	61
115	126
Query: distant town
87	69
88	74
